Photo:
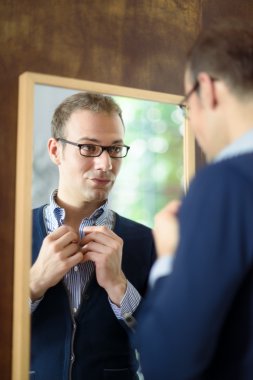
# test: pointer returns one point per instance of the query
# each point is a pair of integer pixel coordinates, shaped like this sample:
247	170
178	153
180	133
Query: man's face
88	179
208	113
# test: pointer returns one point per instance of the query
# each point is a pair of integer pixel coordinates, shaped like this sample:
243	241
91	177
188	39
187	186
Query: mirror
160	141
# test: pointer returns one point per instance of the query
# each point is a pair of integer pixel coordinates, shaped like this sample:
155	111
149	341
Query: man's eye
116	149
89	148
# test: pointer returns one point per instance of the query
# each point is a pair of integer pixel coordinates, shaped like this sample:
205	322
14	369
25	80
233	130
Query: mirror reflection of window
151	174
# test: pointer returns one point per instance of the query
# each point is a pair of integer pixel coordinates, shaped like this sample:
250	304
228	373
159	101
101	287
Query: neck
74	214
236	120
239	117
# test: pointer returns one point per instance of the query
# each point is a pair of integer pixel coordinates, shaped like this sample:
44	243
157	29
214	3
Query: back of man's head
225	51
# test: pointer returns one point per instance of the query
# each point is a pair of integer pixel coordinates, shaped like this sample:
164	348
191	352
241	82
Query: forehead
93	124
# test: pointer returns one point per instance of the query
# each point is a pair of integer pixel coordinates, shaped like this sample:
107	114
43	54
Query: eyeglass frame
182	105
103	148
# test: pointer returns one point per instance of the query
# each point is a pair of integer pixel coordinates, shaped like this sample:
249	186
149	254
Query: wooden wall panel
131	43
213	10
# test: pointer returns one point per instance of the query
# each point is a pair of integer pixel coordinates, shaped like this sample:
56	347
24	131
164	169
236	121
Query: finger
69	250
102	229
173	207
102	236
168	212
97	237
91	256
61	231
96	247
70	237
75	259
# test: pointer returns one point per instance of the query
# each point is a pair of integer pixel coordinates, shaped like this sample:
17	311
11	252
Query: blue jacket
197	323
93	345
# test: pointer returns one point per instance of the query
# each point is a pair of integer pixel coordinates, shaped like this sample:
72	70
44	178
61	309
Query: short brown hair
82	101
225	51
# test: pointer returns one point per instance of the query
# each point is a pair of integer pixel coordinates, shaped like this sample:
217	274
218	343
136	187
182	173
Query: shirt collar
240	146
58	213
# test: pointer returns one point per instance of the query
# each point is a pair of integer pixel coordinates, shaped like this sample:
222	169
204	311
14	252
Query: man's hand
104	248
59	252
166	229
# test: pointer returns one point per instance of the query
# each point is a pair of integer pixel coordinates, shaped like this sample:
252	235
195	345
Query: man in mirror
197	322
90	265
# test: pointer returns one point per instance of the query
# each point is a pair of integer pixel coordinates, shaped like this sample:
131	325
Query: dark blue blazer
197	323
98	340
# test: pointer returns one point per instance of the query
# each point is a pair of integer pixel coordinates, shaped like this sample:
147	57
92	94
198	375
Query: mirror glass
158	168
151	174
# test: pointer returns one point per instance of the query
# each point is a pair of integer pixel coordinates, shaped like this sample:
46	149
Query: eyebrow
95	141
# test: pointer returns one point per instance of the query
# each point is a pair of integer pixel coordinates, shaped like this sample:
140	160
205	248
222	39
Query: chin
97	196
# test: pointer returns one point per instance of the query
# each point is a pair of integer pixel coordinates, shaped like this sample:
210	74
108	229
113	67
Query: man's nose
103	162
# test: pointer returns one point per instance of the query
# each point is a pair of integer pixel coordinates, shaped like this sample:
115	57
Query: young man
197	323
90	265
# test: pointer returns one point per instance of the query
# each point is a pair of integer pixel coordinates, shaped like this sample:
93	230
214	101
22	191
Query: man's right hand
166	229
58	254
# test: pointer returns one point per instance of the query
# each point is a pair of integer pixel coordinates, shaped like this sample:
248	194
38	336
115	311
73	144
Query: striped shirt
77	279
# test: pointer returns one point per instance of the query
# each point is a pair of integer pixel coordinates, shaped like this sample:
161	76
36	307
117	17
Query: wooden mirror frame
23	216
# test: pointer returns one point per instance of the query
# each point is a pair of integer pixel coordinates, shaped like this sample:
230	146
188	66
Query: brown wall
134	43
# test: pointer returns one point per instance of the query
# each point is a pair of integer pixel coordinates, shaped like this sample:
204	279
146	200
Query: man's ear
207	90
54	151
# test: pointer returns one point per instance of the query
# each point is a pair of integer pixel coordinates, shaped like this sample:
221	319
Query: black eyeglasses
183	102
93	150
